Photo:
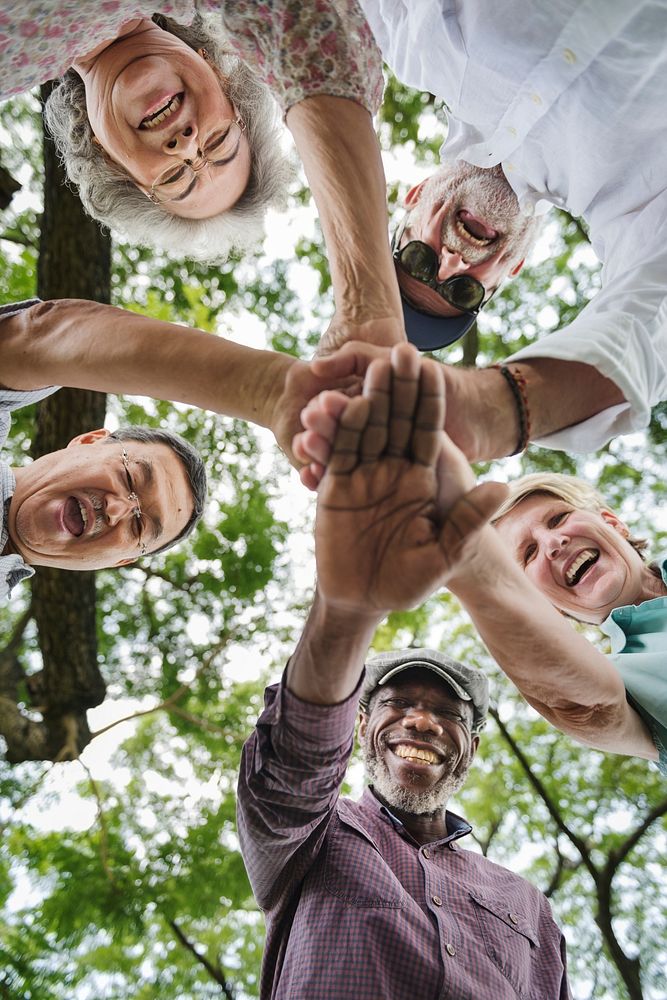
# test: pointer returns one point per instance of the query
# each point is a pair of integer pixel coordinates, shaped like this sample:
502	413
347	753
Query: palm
398	503
382	517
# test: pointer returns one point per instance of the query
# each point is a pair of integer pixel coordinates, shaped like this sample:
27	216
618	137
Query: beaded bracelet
517	384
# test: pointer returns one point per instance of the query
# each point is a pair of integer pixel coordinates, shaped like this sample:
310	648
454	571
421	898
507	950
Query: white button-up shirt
569	95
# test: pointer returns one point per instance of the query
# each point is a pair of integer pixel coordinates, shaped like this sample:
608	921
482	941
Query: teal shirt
638	636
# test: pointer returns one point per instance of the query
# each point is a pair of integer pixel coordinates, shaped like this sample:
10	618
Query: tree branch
619	855
215	972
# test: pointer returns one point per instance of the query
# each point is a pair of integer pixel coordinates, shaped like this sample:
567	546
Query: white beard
484	193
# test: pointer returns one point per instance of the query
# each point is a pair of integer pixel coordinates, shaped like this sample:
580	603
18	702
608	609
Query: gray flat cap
468	683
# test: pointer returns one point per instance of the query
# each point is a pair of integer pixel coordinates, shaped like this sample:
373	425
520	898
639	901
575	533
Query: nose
183	143
118	508
450	263
420	720
554	542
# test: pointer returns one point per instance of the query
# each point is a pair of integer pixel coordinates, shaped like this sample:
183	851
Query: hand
388	532
300	384
381	332
311	446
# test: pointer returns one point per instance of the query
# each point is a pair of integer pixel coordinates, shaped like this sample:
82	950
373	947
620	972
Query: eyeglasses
133	498
218	148
420	261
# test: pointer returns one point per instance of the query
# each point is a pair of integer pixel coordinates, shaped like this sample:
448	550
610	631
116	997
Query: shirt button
450	949
536	99
511	130
508	166
426	852
513	918
569	56
436	900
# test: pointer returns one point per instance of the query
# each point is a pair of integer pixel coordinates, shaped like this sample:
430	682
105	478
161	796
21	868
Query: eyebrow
195	179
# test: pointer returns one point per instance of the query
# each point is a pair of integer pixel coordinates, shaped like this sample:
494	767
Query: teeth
467	235
586	556
152	120
415	753
84	515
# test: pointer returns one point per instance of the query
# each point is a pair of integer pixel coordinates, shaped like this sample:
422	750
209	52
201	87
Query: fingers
468	515
405	370
377	389
351	359
430	414
345	454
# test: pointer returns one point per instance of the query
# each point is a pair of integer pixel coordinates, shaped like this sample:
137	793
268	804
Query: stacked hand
397	504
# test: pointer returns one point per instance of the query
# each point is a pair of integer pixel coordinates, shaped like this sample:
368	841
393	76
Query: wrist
270	389
481	413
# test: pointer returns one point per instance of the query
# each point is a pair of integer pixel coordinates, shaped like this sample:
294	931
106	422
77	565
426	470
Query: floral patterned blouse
300	49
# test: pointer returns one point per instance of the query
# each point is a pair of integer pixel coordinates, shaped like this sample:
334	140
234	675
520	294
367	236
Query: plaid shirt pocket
357	874
510	937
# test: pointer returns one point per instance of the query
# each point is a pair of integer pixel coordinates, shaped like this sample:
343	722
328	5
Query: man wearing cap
376	898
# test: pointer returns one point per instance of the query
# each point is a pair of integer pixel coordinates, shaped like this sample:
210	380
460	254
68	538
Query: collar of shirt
619	625
457	827
12	567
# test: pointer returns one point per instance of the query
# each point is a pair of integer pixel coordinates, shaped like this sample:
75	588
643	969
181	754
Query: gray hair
191	461
114	200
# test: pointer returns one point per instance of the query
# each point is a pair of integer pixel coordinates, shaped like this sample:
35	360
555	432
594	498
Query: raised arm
378	547
341	156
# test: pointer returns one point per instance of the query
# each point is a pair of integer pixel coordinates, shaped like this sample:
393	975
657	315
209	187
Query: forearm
557	670
341	156
329	658
482	415
91	346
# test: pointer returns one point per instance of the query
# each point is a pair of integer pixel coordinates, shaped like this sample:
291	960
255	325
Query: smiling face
152	101
73	508
579	559
416	742
471	218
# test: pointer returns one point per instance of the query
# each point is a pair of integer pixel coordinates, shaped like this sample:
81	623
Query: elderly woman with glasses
167	125
555	547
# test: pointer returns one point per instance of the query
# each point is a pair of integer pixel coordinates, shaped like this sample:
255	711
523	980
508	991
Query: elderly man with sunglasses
549	106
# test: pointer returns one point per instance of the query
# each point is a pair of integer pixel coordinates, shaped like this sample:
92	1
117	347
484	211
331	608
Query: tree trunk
74	262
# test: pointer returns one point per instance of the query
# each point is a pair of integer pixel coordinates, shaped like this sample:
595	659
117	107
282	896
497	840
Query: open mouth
474	230
75	517
161	114
581	565
416	755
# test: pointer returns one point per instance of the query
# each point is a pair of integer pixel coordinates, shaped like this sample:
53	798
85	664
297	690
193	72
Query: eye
396	702
529	552
558	518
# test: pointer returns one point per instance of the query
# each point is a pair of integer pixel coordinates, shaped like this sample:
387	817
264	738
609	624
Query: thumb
468	515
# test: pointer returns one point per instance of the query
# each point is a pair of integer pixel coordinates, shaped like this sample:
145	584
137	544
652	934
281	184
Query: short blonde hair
577	492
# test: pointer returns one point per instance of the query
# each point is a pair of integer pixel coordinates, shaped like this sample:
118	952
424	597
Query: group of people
166	122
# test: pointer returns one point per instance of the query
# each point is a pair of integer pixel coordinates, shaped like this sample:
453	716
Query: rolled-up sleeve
623	333
291	771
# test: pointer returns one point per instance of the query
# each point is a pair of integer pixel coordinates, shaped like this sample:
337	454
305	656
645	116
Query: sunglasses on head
420	261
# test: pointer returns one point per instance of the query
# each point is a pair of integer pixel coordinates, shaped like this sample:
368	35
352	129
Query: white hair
114	200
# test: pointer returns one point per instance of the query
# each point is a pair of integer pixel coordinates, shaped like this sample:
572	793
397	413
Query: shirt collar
457	827
12	567
616	626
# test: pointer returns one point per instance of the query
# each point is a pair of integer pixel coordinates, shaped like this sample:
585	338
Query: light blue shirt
12	567
638	634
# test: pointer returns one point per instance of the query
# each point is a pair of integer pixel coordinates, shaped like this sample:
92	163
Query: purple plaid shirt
355	908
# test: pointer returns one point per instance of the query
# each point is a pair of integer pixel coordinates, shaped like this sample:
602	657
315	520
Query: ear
615	522
413	195
125	562
474	746
363	722
515	270
90	437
